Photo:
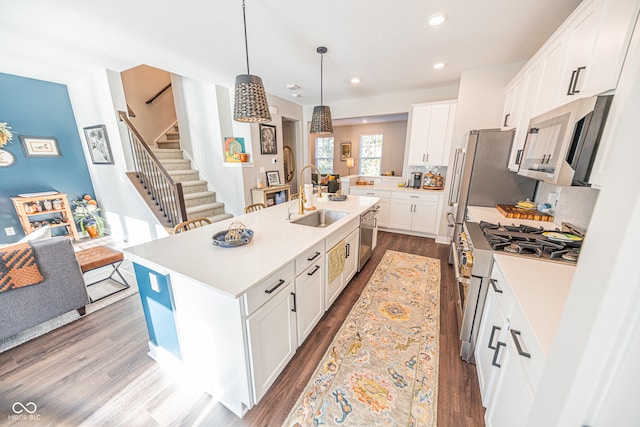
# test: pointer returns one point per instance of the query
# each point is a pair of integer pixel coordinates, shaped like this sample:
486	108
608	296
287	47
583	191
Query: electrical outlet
261	169
274	160
10	231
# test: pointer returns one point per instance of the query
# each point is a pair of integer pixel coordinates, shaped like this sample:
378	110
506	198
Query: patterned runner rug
382	367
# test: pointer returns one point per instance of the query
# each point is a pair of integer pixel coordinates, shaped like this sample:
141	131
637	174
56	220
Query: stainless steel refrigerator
481	176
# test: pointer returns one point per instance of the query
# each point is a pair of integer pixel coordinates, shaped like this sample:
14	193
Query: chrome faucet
302	199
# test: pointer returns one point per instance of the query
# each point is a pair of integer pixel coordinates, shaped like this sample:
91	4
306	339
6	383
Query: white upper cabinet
582	58
430	131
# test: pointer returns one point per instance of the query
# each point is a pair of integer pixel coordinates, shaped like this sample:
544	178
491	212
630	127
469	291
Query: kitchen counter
540	289
489	214
388	187
232	271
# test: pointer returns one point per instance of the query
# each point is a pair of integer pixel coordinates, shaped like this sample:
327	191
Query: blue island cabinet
159	310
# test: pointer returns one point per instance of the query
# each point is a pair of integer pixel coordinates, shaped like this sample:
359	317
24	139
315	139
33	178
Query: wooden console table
271	196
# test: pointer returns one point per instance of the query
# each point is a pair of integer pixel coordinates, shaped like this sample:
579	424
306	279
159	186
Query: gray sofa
63	289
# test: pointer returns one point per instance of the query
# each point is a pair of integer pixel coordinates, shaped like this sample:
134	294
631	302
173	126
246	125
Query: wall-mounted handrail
153	98
165	192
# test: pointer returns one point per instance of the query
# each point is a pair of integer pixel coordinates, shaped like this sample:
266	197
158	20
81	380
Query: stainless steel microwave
561	144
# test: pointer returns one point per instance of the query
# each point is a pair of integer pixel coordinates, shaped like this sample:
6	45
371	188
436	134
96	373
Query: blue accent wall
38	108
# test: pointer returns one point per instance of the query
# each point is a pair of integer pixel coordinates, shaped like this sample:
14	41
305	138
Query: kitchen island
234	317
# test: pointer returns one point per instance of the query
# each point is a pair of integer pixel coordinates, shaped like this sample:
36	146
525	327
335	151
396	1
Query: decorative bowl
219	239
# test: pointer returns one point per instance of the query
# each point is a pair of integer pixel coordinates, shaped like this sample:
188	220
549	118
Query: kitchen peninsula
234	317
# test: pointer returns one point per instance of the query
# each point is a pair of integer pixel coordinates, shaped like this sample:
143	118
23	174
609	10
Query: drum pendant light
321	122
250	104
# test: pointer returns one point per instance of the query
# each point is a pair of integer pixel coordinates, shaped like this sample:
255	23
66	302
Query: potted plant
86	215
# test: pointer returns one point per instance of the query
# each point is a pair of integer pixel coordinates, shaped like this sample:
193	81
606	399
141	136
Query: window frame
361	158
332	158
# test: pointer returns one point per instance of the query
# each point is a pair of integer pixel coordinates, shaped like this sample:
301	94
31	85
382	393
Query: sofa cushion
18	267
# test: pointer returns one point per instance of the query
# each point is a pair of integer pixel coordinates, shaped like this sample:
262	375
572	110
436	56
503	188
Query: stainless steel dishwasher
368	235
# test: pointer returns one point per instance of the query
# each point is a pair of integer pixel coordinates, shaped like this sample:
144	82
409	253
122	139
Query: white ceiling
388	44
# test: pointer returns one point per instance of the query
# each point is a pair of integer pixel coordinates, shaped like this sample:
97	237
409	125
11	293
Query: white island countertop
489	214
540	289
233	271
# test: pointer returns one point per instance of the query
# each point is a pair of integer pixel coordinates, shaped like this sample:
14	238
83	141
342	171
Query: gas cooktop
550	245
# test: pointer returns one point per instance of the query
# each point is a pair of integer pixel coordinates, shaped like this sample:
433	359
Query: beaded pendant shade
321	122
250	101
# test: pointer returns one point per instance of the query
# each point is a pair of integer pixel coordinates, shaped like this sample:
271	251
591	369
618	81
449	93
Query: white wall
95	100
204	116
140	84
597	326
480	105
393	147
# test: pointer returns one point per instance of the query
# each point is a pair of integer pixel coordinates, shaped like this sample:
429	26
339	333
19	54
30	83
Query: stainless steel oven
472	260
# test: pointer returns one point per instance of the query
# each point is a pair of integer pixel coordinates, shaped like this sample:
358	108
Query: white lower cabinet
351	243
413	211
309	298
509	360
272	339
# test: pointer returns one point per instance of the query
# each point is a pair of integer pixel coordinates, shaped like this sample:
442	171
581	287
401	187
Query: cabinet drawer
384	194
501	290
312	255
268	288
415	196
530	354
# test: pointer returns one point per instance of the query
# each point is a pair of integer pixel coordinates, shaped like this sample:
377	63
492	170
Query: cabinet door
530	100
400	214
493	329
513	103
616	23
419	135
351	257
424	217
383	213
552	60
513	397
309	298
437	135
580	40
272	339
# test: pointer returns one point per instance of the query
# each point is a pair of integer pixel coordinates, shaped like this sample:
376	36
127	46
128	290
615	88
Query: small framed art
268	143
98	143
273	178
40	146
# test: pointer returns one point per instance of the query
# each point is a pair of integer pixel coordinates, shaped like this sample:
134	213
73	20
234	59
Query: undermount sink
320	218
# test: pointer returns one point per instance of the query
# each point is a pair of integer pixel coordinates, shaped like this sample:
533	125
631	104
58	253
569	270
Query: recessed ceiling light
355	80
296	95
437	19
293	86
364	121
438	65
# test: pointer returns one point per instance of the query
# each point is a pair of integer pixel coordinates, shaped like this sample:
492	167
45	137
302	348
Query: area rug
382	367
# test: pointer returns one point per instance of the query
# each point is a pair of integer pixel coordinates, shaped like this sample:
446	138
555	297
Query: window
324	155
370	154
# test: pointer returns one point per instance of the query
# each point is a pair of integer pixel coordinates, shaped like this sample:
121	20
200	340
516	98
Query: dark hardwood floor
96	371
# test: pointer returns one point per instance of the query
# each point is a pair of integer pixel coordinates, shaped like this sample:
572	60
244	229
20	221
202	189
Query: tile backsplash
574	204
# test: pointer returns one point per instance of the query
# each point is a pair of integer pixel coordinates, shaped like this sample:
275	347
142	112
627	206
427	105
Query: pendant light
250	98
321	122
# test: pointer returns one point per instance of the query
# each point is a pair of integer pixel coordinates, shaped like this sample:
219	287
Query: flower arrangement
86	215
5	134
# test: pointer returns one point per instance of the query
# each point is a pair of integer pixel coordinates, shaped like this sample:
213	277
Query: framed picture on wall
98	143
40	146
268	143
345	150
